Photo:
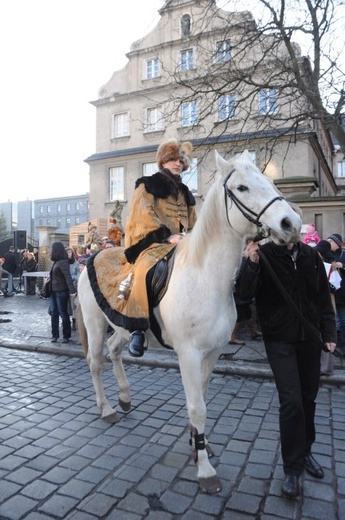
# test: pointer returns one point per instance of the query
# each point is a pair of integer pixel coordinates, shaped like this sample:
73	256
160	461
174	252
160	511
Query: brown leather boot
233	340
255	334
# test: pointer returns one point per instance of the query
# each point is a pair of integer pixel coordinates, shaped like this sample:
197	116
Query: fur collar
158	186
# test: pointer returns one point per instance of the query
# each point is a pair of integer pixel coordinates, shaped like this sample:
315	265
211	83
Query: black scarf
174	181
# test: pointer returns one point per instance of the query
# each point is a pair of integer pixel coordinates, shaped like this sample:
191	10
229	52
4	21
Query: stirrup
136	343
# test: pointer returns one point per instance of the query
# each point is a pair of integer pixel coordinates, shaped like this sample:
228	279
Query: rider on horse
162	210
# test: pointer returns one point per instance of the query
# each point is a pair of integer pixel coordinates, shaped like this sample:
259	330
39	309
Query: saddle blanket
108	268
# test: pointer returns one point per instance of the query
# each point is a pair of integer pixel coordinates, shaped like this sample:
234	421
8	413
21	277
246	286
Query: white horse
197	313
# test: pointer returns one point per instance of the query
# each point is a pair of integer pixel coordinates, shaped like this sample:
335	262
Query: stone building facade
151	99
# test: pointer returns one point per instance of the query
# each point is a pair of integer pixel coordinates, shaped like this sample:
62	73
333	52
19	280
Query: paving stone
58	506
16	507
175	503
59	475
8	489
244	502
24	475
39	489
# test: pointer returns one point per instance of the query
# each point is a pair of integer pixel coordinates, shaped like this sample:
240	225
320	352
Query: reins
249	214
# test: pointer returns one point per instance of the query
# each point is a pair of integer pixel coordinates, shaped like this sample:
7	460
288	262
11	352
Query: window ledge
152	79
123	201
161	131
123	137
226	121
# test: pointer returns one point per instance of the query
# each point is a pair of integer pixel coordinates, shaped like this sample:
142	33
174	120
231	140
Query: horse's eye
242	188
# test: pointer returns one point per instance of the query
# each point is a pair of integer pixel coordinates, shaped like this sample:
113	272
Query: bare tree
3	228
257	66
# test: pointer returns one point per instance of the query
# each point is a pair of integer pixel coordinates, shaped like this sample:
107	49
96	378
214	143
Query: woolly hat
336	238
172	150
324	248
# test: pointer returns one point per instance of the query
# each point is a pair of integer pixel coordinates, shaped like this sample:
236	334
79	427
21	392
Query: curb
167	359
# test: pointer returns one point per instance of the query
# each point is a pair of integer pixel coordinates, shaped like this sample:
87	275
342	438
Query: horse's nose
287	225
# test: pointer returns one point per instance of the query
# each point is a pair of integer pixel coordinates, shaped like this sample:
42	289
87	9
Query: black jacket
340	293
10	264
306	282
60	277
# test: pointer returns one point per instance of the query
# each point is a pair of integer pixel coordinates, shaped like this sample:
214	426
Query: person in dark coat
292	349
61	287
28	264
336	243
10	265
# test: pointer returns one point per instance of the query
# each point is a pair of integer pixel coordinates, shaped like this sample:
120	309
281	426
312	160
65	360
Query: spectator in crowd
324	249
104	241
61	287
312	237
3	291
28	264
109	243
10	266
74	270
337	247
336	243
115	232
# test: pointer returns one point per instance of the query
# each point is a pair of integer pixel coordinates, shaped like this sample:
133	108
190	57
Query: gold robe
155	215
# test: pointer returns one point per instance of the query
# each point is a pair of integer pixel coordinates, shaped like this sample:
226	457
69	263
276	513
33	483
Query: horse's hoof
210	485
209	451
113	418
125	406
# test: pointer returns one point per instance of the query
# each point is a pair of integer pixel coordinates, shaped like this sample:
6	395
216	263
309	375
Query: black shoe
136	343
8	294
53	340
313	467
291	488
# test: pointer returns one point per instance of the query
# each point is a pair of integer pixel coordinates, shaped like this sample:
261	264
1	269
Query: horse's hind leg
96	336
191	372
115	345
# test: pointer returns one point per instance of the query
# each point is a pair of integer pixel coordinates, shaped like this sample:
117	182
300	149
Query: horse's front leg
208	364
115	345
190	362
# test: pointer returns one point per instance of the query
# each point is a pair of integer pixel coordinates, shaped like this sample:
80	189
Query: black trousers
296	369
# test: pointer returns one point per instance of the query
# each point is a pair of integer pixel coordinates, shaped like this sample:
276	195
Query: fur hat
336	238
172	150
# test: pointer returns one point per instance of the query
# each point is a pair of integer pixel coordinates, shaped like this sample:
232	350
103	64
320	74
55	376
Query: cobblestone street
60	460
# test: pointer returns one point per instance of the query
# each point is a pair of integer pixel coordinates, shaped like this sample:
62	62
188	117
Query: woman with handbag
61	287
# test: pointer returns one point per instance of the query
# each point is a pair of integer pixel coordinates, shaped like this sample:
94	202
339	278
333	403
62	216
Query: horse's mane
206	227
209	221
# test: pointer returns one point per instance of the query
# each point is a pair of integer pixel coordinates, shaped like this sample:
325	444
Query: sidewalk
29	329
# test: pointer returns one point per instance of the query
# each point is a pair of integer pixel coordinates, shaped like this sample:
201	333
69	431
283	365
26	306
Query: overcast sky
55	55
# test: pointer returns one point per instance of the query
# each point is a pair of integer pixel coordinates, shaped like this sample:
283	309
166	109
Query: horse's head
254	207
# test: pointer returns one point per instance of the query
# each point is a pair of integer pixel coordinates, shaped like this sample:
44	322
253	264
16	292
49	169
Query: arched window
185	25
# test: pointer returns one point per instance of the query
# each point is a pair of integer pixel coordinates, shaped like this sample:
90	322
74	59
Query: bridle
263	230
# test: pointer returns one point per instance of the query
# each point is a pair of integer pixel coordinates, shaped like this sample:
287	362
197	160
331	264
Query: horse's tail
82	329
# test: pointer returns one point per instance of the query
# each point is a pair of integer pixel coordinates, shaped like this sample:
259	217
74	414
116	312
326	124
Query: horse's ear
246	156
221	164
